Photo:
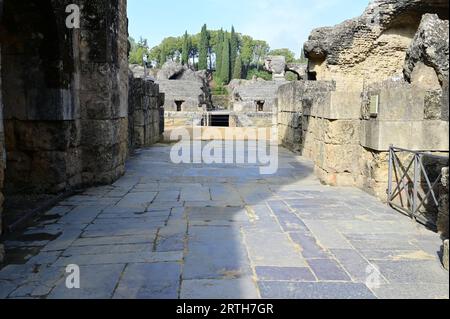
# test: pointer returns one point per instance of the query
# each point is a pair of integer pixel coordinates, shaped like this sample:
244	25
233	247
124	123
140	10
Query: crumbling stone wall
2	146
185	90
443	222
378	55
369	48
315	120
64	95
144	113
255	95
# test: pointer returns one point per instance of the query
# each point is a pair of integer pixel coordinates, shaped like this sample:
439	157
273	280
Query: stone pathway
224	231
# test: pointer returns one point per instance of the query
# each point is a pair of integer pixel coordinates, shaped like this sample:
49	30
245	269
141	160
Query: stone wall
64	95
319	122
2	147
65	112
371	47
254	96
144	113
185	90
443	222
387	73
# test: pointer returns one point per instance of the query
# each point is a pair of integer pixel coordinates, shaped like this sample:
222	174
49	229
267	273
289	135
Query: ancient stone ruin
187	92
73	112
65	98
378	80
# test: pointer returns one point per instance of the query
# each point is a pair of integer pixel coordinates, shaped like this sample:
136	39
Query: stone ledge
414	135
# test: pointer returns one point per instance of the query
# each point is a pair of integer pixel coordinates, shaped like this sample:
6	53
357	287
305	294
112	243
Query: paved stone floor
225	231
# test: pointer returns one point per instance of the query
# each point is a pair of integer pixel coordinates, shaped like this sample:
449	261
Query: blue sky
282	23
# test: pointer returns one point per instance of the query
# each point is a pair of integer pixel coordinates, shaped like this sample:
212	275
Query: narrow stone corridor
193	231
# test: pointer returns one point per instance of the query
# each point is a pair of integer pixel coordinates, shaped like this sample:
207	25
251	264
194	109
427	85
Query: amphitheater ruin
85	169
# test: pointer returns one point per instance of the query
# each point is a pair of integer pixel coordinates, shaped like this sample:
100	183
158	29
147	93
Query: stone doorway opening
260	105
179	105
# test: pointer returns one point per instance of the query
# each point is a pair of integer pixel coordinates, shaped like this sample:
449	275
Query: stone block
443	221
415	135
446	255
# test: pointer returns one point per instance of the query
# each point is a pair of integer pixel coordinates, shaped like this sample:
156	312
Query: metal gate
411	179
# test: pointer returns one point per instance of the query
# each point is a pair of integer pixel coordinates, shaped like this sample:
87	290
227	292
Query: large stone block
414	135
446	254
443	221
342	132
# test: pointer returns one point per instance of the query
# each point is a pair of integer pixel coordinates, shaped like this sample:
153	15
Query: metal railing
410	186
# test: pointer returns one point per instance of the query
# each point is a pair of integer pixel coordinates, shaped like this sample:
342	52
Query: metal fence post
391	150
416	181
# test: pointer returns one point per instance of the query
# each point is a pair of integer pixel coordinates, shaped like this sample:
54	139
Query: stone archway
39	107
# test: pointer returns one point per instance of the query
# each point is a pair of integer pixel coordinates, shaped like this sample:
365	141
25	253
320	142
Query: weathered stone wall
144	113
64	95
320	123
369	48
185	90
443	222
2	146
104	90
394	52
245	95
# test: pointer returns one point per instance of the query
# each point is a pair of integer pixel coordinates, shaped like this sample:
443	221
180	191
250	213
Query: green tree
137	51
237	70
225	72
203	49
234	48
260	52
219	52
185	49
247	49
288	54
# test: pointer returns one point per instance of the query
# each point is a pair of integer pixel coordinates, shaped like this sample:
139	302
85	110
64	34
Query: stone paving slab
97	282
273	249
244	288
224	231
318	290
119	258
150	281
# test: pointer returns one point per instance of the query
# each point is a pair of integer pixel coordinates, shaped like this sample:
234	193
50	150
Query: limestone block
341	158
415	135
443	221
402	103
445	101
342	132
446	255
432	105
344	105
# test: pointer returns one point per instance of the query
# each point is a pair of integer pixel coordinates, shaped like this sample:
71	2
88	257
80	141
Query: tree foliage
234	48
137	50
225	71
237	70
215	50
203	50
185	49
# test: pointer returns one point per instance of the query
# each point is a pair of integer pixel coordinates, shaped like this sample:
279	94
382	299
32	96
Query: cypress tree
185	49
203	49
234	47
219	53
237	72
225	71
